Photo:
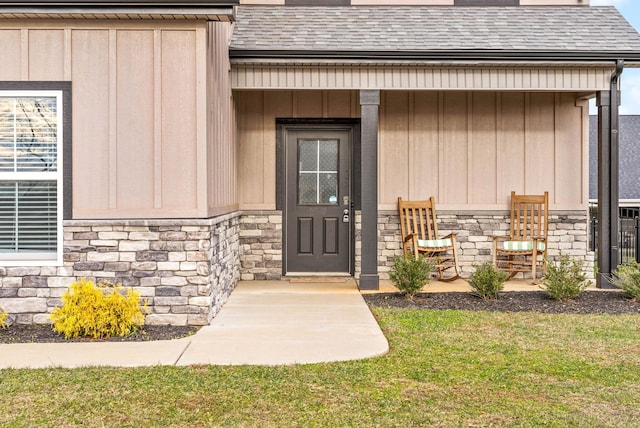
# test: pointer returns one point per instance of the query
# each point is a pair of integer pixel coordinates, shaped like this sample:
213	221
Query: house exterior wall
467	149
567	234
470	150
154	202
261	239
184	269
221	148
139	109
256	113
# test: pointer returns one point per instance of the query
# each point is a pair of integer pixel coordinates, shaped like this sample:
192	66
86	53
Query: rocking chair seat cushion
434	243
521	246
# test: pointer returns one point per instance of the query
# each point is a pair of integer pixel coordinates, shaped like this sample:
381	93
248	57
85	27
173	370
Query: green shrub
3	318
98	311
487	280
409	274
565	279
627	277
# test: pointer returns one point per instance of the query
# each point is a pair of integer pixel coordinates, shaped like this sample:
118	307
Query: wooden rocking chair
420	237
525	249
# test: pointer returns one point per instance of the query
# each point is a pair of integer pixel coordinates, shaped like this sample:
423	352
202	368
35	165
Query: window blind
29	177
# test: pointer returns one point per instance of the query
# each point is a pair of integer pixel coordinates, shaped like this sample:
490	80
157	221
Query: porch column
369	103
608	164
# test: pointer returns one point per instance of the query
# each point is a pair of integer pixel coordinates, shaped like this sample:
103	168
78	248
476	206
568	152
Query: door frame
282	127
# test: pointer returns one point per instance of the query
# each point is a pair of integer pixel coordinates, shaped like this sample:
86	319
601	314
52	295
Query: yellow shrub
3	318
98	311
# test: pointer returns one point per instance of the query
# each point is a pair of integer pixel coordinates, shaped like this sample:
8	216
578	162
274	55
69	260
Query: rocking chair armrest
451	235
409	237
497	238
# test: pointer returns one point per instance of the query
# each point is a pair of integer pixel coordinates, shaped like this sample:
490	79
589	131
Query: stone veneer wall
261	239
184	269
261	245
567	234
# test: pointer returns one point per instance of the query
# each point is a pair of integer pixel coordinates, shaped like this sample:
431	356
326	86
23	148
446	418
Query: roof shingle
419	29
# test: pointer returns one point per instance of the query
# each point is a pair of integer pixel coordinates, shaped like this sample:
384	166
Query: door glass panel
318	172
328	156
307	190
308	155
328	188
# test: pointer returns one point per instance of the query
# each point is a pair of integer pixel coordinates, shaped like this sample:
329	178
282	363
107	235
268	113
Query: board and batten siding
140	136
222	152
467	149
256	113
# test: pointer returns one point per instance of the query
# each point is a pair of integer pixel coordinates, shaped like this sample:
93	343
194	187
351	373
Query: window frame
42	258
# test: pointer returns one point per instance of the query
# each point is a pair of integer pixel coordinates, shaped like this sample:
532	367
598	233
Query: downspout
608	198
615	162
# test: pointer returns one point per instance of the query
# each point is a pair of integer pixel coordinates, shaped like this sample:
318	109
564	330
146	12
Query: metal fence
628	238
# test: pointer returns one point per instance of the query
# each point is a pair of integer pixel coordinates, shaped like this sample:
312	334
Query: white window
30	177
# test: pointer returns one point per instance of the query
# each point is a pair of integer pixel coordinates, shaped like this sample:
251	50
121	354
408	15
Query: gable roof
214	10
419	31
629	157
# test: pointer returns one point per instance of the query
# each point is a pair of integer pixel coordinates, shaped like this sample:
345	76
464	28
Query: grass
445	368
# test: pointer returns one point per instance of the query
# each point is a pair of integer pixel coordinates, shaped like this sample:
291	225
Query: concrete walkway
263	323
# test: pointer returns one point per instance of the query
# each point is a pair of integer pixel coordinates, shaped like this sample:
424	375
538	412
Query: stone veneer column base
261	245
184	269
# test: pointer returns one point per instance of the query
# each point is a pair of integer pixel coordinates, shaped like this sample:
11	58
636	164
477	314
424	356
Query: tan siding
256	134
177	176
483	138
468	149
540	143
455	149
10	41
139	106
394	144
308	104
424	146
135	122
488	77
46	54
251	174
222	153
511	145
569	167
338	104
90	76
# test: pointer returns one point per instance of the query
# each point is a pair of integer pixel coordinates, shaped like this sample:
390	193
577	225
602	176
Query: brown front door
318	201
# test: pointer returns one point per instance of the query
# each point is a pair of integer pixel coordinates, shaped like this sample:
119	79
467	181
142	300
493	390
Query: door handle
345	216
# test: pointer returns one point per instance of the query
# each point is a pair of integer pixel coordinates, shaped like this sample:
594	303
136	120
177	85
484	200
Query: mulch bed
589	302
20	333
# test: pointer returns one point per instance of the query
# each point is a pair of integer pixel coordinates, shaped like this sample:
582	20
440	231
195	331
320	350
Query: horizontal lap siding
139	110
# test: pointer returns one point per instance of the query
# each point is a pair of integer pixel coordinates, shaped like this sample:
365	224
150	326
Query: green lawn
445	368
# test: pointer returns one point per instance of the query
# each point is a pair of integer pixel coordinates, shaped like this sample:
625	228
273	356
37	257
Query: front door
318	201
